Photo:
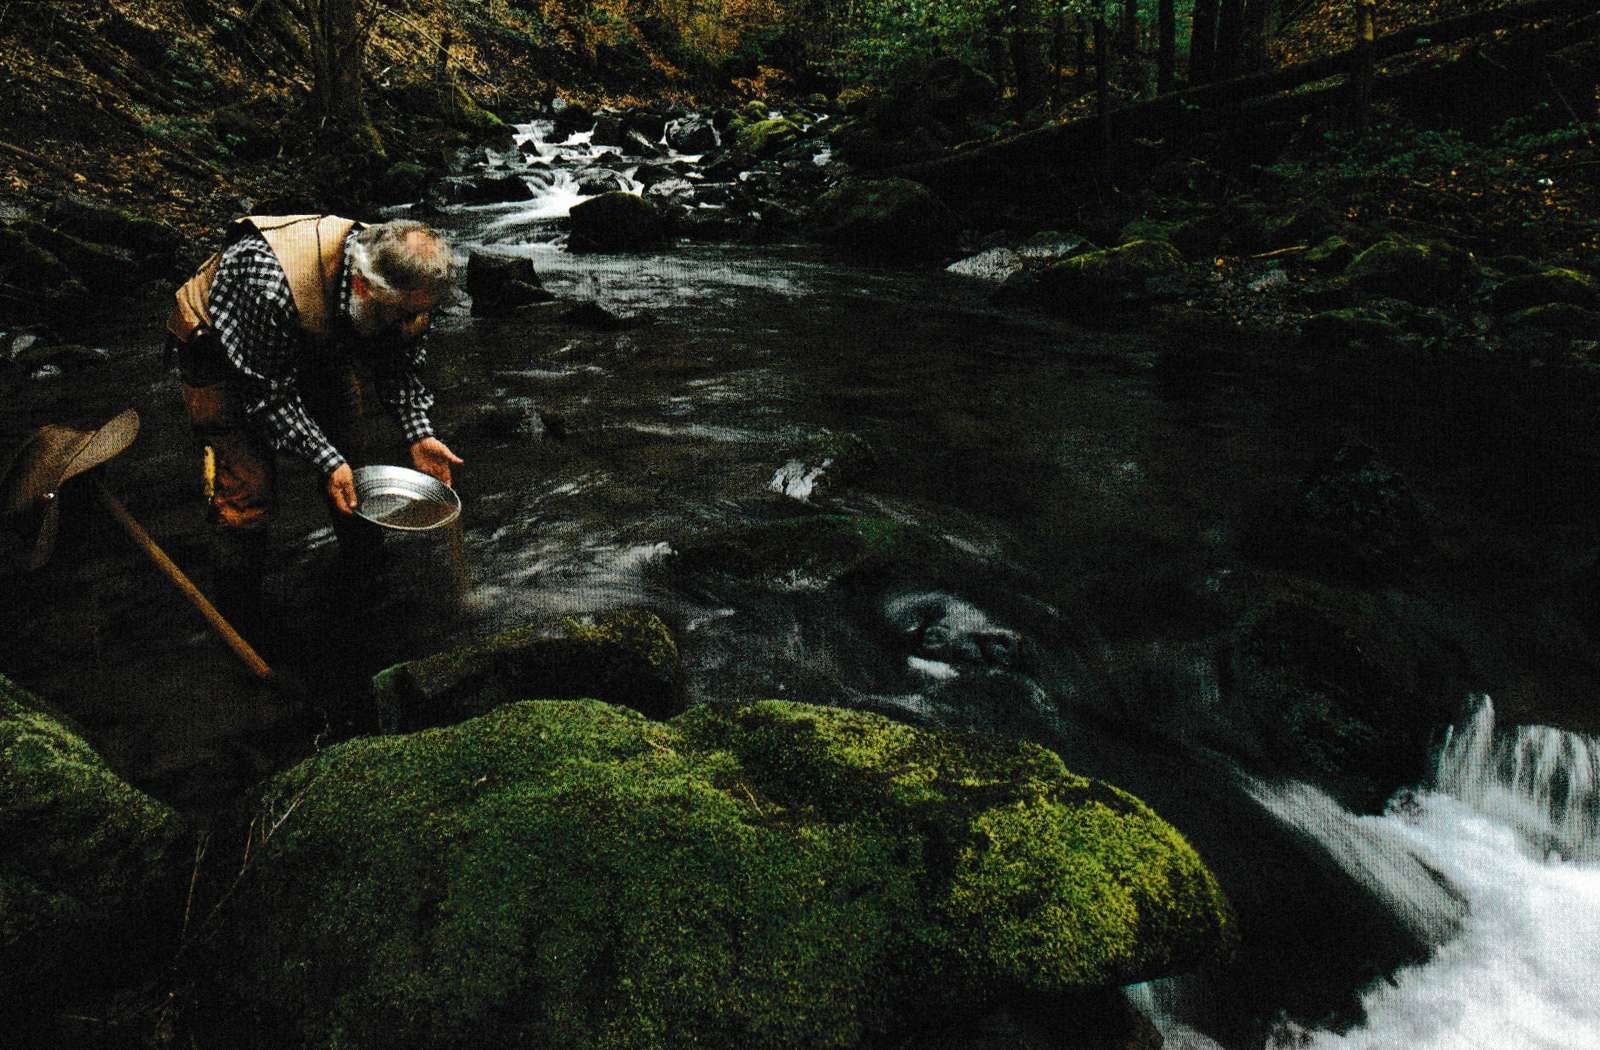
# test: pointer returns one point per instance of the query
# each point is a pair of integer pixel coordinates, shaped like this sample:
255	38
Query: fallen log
1158	114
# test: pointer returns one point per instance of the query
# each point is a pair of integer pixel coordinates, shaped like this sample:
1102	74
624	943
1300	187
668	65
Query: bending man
268	332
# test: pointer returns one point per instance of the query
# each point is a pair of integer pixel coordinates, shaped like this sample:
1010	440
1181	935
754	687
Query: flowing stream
745	396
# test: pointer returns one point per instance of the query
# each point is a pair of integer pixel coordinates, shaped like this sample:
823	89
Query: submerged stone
569	873
624	657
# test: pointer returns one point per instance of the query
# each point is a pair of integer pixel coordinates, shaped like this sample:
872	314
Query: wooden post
1366	60
1102	87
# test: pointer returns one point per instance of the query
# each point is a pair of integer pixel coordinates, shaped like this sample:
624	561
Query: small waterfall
1542	781
1510	824
1375	852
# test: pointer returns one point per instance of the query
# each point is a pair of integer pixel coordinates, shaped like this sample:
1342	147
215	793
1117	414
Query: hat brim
38	468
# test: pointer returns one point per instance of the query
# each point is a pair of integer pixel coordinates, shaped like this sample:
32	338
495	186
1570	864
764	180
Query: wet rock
591	314
943	628
1331	255
488	189
626	657
39	354
505	421
1548	286
1354	514
635	144
616	222
693	134
571	118
594	183
577	870
1090	1021
501	284
670	190
404	182
1348	327
101	224
765	137
92	877
1548	331
1345	687
889	219
610	129
1093	284
648	175
1415	271
992	266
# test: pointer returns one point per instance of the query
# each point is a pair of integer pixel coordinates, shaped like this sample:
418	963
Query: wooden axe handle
143	541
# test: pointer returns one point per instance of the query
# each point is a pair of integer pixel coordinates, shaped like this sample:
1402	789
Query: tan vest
310	248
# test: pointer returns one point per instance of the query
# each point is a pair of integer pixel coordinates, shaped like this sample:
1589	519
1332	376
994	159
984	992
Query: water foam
1510	823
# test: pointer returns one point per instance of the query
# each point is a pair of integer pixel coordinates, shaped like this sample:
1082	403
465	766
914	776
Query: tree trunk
1203	42
1026	62
1130	27
1230	39
1366	60
337	37
1083	55
1102	87
1058	58
1166	57
1257	14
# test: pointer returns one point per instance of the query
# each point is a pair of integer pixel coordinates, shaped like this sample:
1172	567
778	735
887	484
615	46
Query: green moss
768	875
626	657
86	855
767	136
1549	286
1331	255
1411	270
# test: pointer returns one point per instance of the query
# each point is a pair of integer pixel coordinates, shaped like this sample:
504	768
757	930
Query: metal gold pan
404	499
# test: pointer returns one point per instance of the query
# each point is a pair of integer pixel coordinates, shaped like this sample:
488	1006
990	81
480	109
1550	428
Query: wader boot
239	563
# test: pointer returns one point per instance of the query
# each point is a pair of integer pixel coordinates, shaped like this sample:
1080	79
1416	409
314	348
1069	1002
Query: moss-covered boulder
1412	270
1551	330
91	874
571	874
616	221
1549	286
1330	255
1094	283
625	657
1348	327
889	219
764	137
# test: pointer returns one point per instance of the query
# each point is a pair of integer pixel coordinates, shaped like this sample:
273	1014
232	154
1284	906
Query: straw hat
33	473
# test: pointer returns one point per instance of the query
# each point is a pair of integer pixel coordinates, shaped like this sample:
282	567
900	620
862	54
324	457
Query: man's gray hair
403	256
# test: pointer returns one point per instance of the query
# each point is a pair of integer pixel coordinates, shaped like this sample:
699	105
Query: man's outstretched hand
432	456
342	488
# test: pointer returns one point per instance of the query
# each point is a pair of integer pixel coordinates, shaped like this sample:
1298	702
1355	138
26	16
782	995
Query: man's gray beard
364	317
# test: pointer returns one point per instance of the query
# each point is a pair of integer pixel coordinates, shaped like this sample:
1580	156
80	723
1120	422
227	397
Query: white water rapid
1510	827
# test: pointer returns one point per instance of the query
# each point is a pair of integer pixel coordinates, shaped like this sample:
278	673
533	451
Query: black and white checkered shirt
258	327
